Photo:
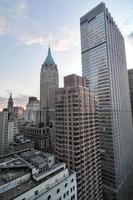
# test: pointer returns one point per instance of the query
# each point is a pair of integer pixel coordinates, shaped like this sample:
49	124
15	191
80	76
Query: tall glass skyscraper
104	65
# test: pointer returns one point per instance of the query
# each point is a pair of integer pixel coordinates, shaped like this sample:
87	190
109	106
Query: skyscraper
49	81
77	139
3	132
104	65
10	107
130	78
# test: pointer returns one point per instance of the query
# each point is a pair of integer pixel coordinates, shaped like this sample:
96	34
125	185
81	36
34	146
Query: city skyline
24	47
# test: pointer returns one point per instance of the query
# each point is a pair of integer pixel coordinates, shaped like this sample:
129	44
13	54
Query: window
49	197
72	180
36	192
65	184
73	197
58	190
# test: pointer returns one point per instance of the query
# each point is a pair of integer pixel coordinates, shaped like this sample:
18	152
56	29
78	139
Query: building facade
104	65
35	175
18	112
8	131
12	131
39	135
49	81
20	143
77	139
32	109
130	78
9	125
3	132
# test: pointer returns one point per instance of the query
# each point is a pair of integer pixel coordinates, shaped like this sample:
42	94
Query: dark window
72	180
58	190
65	184
64	195
36	192
49	197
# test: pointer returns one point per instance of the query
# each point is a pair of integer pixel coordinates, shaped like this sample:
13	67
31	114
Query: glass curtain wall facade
104	65
130	78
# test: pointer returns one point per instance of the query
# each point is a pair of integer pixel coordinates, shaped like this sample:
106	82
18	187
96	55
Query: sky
27	27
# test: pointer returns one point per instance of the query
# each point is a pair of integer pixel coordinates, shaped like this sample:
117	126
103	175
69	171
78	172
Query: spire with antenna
49	59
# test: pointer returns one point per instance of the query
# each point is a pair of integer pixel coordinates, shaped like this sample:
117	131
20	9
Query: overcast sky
28	26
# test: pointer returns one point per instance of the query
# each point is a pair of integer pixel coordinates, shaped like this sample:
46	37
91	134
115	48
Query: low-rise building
39	134
20	143
33	174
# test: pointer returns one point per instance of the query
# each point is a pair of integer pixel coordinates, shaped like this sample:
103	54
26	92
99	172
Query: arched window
65	184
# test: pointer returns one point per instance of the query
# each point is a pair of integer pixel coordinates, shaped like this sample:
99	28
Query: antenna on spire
49	48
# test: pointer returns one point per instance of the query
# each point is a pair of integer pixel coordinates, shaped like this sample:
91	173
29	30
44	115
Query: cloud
21	100
33	38
66	38
130	37
2	25
15	21
63	39
3	102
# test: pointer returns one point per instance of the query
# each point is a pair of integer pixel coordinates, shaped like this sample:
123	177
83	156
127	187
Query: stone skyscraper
104	65
77	139
49	81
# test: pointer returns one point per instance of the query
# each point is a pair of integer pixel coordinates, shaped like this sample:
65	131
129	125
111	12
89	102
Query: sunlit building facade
77	138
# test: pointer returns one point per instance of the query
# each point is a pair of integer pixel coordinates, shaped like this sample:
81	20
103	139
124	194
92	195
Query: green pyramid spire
49	60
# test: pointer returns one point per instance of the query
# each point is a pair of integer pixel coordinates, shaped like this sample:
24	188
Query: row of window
58	190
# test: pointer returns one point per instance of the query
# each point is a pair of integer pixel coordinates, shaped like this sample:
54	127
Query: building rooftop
24	170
